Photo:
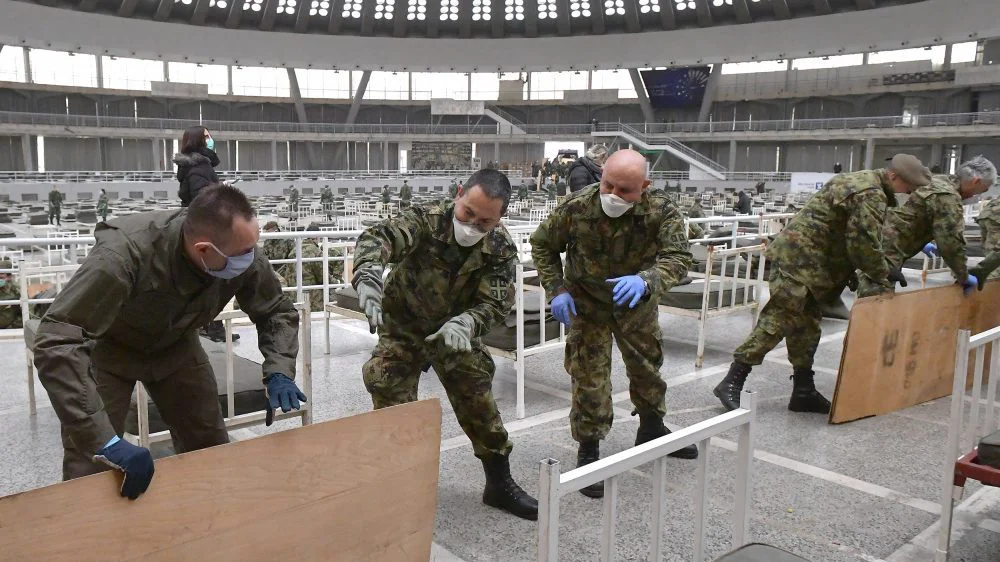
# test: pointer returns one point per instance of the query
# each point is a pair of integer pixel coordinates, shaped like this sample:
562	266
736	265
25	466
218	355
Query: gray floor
861	491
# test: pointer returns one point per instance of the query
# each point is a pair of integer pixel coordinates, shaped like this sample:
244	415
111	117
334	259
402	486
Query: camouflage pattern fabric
293	199
989	227
312	272
933	212
405	194
453	190
588	362
433	280
792	313
647	241
326	201
837	232
102	206
10	316
522	191
695	230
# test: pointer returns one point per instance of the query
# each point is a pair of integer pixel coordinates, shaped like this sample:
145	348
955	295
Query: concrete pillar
732	156
26	152
590	79
937	156
27	66
166	71
869	154
527	81
100	70
468	95
640	92
385	155
947	57
229	79
157	147
409	82
709	98
864	59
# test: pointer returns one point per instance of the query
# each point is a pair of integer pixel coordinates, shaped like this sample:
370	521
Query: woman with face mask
196	163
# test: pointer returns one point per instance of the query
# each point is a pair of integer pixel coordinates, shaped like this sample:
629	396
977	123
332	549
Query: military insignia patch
498	289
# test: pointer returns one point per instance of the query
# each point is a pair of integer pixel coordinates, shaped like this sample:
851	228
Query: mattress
689	296
989	450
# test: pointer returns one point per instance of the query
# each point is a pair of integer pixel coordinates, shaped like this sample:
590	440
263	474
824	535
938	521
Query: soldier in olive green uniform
55	206
131	313
326	201
522	191
838	231
695	230
989	228
625	246
405	195
293	200
453	190
10	315
102	205
451	282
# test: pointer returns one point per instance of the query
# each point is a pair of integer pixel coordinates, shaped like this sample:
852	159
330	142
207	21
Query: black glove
282	392
135	462
980	275
852	282
896	276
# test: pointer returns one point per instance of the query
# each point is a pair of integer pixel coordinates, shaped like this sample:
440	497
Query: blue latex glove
970	284
629	288
562	305
931	250
135	462
283	393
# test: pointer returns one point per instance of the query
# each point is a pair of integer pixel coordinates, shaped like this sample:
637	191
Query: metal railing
679	147
553	485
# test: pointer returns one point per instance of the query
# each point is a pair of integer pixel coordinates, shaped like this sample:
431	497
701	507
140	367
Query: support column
166	71
864	59
937	156
590	79
157	148
359	94
732	156
709	97
640	91
229	79
409	81
100	70
947	57
27	150
274	155
527	81
385	155
28	79
468	94
300	112
869	153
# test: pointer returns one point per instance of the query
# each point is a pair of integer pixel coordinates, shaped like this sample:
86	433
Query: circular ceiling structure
489	35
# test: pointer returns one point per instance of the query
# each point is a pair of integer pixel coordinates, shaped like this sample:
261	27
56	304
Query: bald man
625	246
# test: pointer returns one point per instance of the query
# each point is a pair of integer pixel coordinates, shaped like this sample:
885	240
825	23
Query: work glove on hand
369	286
455	334
970	283
562	305
985	268
931	250
282	392
628	289
135	462
896	276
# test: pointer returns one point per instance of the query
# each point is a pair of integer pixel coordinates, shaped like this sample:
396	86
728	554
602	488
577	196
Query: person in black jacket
587	169
196	163
744	205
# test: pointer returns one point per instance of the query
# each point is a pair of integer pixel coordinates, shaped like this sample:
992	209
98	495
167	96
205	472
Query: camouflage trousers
392	374
792	314
588	362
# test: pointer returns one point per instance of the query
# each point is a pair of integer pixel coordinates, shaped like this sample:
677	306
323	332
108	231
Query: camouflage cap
911	169
271	226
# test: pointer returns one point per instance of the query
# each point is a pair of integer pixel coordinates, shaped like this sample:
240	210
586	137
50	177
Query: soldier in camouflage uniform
625	246
102	205
312	272
695	230
405	195
55	206
934	212
989	226
812	260
293	200
451	282
453	190
10	315
522	191
326	201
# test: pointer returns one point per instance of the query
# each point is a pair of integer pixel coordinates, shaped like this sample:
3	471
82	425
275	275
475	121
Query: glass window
827	62
751	67
964	52
62	68
330	84
212	75
385	85
427	85
933	54
486	85
131	74
614	79
260	81
12	64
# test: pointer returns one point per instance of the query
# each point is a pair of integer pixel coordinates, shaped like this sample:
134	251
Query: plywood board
900	350
353	489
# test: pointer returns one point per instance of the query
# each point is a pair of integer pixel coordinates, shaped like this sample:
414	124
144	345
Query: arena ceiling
495	19
489	35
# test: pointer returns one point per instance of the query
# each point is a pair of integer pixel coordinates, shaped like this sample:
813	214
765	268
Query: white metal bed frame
751	283
553	485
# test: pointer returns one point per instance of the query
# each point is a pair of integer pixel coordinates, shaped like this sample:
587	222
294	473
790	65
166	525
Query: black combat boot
728	391
651	427
805	397
503	493
589	452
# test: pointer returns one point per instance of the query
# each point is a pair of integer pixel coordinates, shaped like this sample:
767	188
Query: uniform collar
642	207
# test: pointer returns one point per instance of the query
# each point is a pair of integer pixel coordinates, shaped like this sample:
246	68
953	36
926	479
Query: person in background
326	201
55	206
586	170
405	195
102	205
744	204
196	163
293	201
837	168
522	191
453	189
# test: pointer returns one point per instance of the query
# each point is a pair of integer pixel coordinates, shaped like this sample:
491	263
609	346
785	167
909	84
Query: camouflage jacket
102	204
989	226
326	196
406	192
932	212
433	279
55	199
648	241
837	231
312	272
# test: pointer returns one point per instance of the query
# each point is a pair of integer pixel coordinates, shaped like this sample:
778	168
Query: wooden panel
358	488
900	350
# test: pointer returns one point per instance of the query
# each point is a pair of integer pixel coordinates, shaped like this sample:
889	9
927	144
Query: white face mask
465	234
614	206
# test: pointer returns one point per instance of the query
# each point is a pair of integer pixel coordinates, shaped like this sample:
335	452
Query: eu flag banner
676	87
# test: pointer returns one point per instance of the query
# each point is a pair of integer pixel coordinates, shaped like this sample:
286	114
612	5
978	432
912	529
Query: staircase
664	143
506	123
504	119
